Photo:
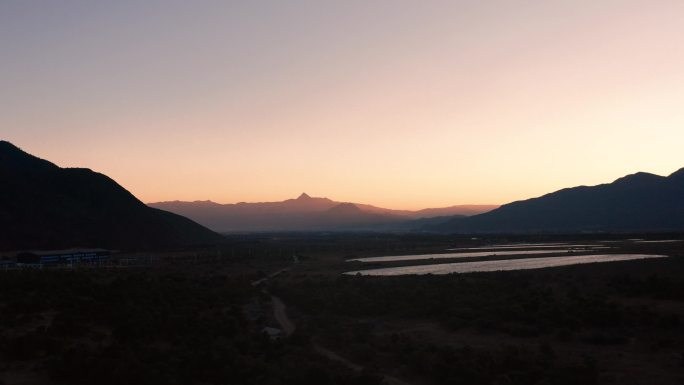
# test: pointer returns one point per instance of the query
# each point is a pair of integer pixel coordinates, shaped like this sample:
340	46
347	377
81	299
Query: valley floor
276	309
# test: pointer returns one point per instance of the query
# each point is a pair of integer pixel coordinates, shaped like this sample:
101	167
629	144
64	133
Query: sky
401	104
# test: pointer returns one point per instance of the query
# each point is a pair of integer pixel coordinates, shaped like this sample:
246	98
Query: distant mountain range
637	202
306	213
45	206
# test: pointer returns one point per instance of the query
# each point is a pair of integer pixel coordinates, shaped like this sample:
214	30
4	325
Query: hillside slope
45	206
637	202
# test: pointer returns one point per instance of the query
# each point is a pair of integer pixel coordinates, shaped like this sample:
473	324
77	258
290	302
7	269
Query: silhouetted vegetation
149	328
196	319
520	304
545	326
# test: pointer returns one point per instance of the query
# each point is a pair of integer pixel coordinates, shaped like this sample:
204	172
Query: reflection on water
660	241
526	246
503	265
465	255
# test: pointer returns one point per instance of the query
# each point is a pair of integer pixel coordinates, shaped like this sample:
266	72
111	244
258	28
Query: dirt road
281	316
288	327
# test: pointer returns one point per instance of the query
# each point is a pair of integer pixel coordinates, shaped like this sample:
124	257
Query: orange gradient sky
402	104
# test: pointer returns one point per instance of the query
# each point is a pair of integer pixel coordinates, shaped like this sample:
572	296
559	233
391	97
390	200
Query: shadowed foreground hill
45	206
637	202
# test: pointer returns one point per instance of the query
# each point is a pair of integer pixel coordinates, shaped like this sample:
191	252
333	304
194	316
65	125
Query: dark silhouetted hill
307	213
45	206
637	202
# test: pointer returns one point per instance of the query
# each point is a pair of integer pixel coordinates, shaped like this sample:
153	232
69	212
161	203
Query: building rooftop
65	251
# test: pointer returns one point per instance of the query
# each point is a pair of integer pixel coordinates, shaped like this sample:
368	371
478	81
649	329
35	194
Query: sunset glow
400	104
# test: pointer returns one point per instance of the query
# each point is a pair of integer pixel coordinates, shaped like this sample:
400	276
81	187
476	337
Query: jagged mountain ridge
304	213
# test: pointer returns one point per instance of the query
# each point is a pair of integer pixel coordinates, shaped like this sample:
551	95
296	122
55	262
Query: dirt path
266	278
280	314
331	355
336	357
